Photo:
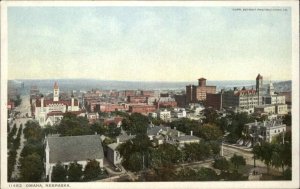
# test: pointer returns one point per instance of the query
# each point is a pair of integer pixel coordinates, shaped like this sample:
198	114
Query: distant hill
283	86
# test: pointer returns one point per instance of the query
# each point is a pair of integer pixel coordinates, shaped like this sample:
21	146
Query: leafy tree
98	128
31	147
186	125
163	173
165	154
92	170
136	123
237	161
211	116
223	124
206	174
287	174
136	162
31	168
210	132
33	131
49	130
287	119
197	151
237	125
221	164
113	130
215	147
264	153
187	174
59	173
71	125
137	147
75	172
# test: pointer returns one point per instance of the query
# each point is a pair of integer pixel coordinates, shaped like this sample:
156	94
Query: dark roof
71	148
125	137
155	129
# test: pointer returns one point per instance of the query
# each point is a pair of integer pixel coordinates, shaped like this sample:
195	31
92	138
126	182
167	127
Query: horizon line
196	80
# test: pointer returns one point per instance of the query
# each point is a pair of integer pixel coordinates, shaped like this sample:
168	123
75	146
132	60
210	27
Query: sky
148	43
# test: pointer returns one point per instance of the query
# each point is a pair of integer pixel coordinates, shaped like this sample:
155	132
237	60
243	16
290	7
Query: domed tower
259	88
55	92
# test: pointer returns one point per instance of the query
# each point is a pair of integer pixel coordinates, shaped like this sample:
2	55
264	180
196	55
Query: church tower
55	92
259	88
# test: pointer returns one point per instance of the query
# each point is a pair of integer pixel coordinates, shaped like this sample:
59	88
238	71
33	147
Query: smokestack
191	133
118	140
178	134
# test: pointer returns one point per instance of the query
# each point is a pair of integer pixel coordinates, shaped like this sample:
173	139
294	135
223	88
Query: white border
219	184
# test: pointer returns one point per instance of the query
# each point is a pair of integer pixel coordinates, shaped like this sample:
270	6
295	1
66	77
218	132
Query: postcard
144	94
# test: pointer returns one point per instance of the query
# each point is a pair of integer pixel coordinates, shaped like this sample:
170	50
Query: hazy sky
148	43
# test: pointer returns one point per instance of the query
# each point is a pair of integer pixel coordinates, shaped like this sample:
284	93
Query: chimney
118	140
178	134
191	133
174	128
255	122
96	133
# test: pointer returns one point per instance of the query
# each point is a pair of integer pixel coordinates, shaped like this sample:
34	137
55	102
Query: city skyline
148	43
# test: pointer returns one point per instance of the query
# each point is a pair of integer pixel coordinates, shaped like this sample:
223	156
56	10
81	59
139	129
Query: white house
164	115
72	148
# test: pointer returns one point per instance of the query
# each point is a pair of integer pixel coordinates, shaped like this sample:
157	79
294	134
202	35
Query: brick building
214	101
143	109
198	93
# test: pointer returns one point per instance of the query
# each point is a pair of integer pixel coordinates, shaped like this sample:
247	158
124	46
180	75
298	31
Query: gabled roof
71	148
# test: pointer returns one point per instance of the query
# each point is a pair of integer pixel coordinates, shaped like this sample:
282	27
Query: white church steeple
55	92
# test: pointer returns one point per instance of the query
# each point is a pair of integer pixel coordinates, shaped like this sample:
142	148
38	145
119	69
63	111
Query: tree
206	174
33	131
98	128
221	164
264	153
211	116
31	147
31	168
287	119
136	123
113	130
210	132
92	170
165	154
237	161
215	147
74	172
71	125
197	151
59	173
136	162
137	147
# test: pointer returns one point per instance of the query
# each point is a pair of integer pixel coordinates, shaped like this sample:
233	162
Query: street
24	109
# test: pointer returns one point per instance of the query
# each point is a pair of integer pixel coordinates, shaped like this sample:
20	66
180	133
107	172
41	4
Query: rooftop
71	148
